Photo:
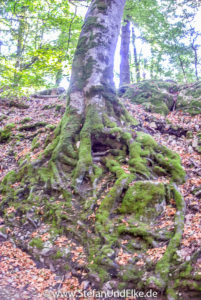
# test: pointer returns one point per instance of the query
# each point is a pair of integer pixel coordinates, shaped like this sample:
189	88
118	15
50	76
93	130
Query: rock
4	236
65	251
68	275
85	284
95	277
155	95
153	125
47	249
107	286
111	253
195	143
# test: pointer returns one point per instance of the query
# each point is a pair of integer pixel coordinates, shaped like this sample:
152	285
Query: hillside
170	113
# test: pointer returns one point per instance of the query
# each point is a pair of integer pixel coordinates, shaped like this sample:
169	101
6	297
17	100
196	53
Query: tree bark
91	91
195	61
182	67
137	65
124	52
19	51
94	58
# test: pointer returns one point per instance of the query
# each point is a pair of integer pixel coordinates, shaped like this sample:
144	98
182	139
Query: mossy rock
189	105
145	199
161	96
154	95
189	99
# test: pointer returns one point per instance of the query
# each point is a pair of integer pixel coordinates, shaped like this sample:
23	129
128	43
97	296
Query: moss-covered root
122	182
65	150
163	266
93	125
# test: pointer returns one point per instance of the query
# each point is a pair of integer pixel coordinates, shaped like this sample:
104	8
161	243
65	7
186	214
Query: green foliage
39	40
169	31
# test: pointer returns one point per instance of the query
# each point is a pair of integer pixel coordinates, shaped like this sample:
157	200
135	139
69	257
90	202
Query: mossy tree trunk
91	93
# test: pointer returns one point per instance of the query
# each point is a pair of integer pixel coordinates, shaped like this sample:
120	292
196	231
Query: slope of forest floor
20	276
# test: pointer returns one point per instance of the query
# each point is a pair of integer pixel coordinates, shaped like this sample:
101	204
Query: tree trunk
20	36
152	65
91	91
182	67
144	68
137	65
124	52
195	61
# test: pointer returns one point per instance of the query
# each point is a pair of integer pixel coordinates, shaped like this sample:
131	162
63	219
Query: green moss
163	265
32	126
189	100
67	267
155	95
81	45
25	120
58	107
115	191
36	242
131	274
66	132
50	127
144	199
107	122
35	144
10	178
116	130
101	5
146	140
171	293
141	230
5	133
159	171
90	23
130	119
143	146
44	174
58	255
187	272
171	162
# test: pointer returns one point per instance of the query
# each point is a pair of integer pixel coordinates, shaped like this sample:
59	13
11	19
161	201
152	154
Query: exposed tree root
70	169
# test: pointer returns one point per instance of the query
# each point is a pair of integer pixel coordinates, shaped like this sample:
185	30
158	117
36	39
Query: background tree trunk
137	65
195	61
124	52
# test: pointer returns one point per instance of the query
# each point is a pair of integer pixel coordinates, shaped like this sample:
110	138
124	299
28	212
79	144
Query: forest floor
23	278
